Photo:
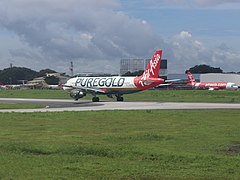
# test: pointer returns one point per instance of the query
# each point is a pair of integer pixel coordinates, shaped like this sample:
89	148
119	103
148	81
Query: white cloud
95	35
78	30
144	21
185	35
189	52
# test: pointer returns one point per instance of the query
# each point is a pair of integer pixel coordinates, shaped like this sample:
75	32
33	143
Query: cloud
77	29
188	52
95	35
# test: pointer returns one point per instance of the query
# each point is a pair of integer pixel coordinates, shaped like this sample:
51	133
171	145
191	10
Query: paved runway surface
57	105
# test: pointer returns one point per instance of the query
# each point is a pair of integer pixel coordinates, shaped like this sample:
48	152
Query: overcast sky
96	34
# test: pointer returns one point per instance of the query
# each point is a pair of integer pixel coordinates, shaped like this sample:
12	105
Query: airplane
48	86
4	87
210	85
53	86
116	86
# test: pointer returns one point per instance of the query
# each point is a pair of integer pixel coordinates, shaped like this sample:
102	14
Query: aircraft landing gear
95	99
120	98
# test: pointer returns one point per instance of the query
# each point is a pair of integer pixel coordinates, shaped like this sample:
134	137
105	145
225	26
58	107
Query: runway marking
110	105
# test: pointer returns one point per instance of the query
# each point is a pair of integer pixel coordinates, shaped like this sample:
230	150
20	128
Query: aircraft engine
77	94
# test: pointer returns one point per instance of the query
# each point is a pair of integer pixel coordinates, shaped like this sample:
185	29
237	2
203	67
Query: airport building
133	65
220	77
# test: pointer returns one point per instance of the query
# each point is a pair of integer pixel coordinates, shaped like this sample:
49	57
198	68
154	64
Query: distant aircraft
48	86
4	87
210	85
52	87
116	86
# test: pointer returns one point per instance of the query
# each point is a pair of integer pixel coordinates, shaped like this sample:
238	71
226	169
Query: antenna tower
71	68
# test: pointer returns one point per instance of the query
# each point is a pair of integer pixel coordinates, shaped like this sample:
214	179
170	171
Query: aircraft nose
64	87
67	86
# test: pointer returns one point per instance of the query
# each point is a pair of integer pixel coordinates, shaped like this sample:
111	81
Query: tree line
15	75
198	69
203	68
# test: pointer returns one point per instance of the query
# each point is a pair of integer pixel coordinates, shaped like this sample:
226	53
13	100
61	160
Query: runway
60	105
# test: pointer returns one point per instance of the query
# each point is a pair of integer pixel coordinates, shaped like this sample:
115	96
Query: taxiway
58	105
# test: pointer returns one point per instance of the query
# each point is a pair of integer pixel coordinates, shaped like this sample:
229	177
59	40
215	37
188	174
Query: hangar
215	77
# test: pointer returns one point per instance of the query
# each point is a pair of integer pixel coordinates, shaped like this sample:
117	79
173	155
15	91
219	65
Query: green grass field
151	144
149	95
186	96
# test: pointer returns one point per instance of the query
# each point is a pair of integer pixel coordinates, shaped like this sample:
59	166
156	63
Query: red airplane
210	85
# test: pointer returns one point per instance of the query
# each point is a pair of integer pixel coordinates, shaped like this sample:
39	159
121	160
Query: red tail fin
191	79
153	66
149	78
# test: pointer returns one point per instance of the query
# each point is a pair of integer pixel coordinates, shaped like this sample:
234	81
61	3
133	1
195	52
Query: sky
96	34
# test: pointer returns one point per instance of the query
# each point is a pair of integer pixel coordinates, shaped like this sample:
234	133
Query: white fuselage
216	85
116	82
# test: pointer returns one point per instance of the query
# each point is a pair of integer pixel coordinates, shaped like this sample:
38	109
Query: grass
149	95
151	144
186	96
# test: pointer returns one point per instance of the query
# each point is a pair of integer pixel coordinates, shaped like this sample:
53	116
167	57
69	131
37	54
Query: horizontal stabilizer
172	80
169	84
152	80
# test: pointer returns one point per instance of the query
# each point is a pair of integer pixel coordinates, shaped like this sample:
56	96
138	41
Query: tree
14	74
201	69
136	73
43	72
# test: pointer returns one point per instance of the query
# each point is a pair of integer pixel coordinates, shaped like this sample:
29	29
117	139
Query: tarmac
61	105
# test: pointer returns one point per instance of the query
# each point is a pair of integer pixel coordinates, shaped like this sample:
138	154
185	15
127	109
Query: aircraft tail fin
149	78
153	66
191	79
